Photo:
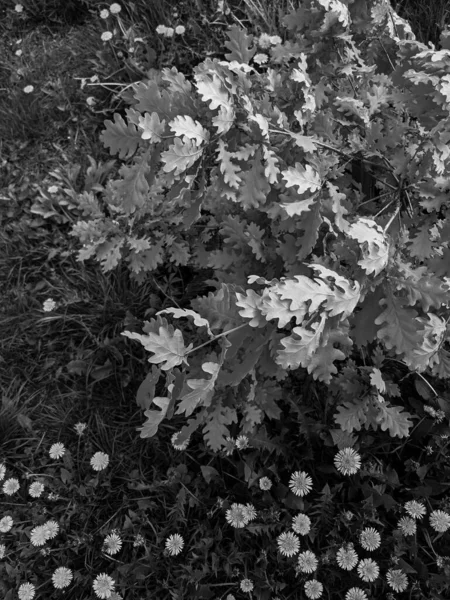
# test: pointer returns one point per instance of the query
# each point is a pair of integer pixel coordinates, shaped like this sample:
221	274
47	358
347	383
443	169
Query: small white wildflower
11	486
138	541
91	101
370	539
174	544
36	489
246	585
106	36
6	524
347	558
38	536
355	593
397	580
57	451
62	577
180	29
275	39
99	461
79	428
347	461
242	442
2	471
53	189
260	58
288	544
407	525
26	591
49	304
103	586
415	509
28	89
169	32
440	520
249	512
18	8
300	483
18	52
368	570
104	14
264	41
265	484
112	543
115	8
236	515
301	524
174	440
307	562
51	529
313	589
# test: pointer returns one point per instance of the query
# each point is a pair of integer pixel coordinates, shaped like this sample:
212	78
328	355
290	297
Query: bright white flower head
26	591
313	589
264	41
28	89
355	593
115	8
368	570
106	36
112	543
265	484
79	428
36	488
11	486
242	442
166	31
307	562
91	101
180	29
176	444
347	558
49	304
370	539
2	471
288	544
300	483
138	541
6	524
99	461
260	58
247	585
407	525
249	512
62	577
104	14
57	451
347	461
237	515
174	544
51	529
301	524
397	580
38	536
415	509
275	39
440	520
18	52
18	8
103	586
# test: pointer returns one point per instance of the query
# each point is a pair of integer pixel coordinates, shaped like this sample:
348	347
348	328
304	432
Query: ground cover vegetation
225	294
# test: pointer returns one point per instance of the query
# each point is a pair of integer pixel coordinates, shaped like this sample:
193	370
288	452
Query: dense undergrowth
288	512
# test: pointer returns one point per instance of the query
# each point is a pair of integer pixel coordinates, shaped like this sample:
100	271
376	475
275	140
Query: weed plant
88	508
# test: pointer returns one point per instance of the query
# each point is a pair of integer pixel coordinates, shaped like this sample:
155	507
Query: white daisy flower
275	39
99	461
176	444
265	484
174	544
6	524
115	8
264	41
300	483
36	488
407	525
62	577
180	30
347	558
247	585
347	461
288	544
112	543
28	89
249	512
103	586
301	524
104	14
370	539
368	570
11	486
313	589
18	8
57	451
307	562
355	593
236	515
51	529
26	591
415	509
260	58
440	520
242	442
38	536
106	36
397	580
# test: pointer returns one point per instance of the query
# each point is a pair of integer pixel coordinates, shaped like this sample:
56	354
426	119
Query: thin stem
217	337
397	210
